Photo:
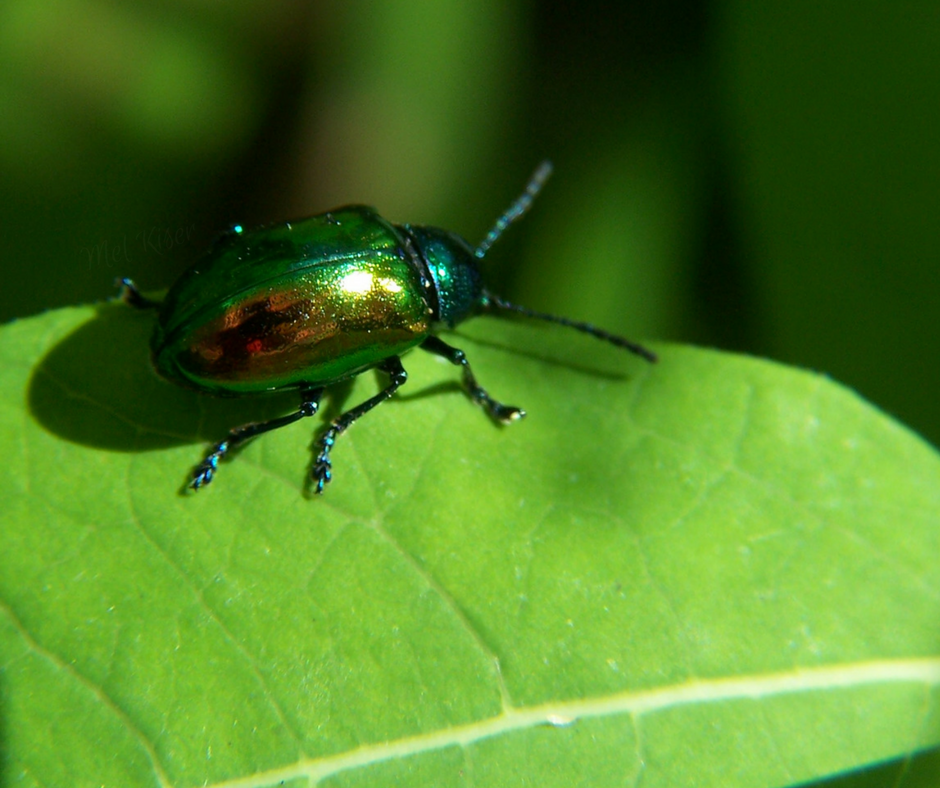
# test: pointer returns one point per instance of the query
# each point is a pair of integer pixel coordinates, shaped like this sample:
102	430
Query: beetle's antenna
519	207
497	304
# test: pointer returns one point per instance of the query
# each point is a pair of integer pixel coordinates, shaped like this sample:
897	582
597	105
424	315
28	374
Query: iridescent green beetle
306	304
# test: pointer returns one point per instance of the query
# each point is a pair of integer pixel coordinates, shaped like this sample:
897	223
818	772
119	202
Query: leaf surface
714	571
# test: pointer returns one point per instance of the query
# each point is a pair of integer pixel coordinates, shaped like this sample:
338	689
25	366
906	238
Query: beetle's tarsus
322	468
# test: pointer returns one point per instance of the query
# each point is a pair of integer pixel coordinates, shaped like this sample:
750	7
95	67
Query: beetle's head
454	273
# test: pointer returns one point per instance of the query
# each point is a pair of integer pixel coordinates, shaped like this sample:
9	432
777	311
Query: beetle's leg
131	296
498	411
203	473
322	467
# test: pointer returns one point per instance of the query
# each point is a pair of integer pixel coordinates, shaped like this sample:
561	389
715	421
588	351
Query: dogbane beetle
306	304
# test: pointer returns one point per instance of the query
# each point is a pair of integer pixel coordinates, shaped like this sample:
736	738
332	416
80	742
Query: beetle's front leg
322	467
499	412
204	472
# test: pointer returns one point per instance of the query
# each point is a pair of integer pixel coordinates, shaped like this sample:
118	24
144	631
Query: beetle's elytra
306	304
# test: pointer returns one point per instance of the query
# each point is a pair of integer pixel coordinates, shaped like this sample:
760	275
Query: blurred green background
762	177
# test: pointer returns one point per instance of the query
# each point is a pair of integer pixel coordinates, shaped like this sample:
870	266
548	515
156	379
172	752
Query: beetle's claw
507	414
202	475
204	472
322	473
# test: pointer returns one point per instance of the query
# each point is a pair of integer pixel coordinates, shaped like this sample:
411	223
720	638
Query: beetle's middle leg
203	473
499	412
322	467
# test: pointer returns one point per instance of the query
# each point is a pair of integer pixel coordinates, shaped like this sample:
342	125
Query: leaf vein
451	603
214	616
96	690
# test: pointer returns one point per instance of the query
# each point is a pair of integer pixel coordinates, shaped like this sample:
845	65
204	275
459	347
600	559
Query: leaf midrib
922	670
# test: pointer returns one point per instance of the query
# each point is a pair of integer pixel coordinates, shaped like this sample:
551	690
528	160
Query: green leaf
714	571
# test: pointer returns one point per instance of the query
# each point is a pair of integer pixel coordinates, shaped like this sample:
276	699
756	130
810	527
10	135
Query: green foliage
714	571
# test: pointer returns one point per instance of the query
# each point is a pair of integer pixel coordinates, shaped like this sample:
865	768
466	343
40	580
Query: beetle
306	304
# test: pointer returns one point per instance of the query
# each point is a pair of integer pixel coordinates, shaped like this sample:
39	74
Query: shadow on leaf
97	388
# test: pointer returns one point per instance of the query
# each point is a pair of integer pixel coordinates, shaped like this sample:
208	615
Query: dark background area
761	177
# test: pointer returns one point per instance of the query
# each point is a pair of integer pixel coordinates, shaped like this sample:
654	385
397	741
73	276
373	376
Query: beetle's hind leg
499	412
131	296
322	467
204	472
